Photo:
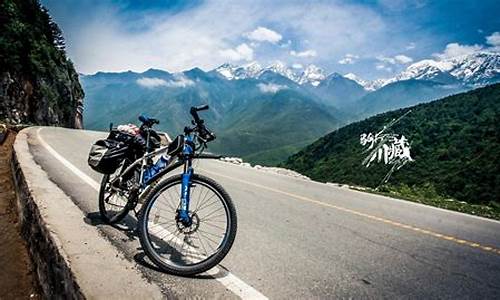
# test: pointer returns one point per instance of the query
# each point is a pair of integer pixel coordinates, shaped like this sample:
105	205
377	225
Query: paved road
302	239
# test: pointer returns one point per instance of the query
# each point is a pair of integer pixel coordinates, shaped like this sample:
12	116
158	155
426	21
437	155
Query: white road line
67	164
229	280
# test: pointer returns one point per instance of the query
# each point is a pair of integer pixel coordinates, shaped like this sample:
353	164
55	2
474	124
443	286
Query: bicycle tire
210	261
106	216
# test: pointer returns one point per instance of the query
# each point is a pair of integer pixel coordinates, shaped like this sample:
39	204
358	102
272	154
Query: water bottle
160	164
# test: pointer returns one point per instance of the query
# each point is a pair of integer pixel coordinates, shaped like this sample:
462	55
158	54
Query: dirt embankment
17	280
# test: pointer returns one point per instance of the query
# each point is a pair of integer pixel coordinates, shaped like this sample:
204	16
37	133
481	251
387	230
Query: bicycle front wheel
187	250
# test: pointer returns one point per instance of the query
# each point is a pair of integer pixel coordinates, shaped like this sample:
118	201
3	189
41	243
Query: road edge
72	259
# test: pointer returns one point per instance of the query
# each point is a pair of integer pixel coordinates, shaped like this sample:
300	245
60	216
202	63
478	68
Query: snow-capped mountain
310	75
473	70
279	67
230	72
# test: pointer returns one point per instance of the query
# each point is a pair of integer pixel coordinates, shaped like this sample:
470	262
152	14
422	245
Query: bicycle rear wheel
187	250
113	201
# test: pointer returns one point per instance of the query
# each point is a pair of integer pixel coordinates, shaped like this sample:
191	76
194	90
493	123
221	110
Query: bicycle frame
185	159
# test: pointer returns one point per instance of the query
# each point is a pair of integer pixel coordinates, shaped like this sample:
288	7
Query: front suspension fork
185	195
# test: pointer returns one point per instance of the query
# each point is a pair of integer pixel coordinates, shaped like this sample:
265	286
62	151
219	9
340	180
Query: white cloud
348	59
263	34
455	49
271	87
306	53
494	39
179	81
403	59
151	83
113	39
398	59
297	66
385	59
383	67
242	52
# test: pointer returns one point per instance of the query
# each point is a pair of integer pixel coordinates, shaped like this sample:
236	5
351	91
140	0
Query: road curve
303	239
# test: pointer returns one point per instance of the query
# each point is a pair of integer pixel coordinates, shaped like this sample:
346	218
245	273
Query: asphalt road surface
302	239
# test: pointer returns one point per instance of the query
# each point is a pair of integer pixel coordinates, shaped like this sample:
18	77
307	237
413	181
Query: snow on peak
478	68
281	68
474	68
312	74
369	85
230	72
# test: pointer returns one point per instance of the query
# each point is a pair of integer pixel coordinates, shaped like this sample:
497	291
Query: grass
427	195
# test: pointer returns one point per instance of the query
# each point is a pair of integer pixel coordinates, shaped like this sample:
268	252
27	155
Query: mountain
310	75
471	70
339	91
401	94
454	141
264	118
238	96
38	83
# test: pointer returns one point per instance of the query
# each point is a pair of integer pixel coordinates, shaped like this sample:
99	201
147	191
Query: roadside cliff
38	83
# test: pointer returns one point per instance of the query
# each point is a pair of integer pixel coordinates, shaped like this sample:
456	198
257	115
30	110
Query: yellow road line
361	214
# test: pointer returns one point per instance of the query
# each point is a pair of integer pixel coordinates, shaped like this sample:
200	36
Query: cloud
151	83
113	38
494	39
271	88
242	52
403	59
383	67
306	53
263	34
398	59
179	81
348	59
297	66
455	49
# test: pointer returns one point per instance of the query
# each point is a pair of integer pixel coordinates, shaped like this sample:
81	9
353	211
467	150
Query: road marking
67	164
368	216
229	280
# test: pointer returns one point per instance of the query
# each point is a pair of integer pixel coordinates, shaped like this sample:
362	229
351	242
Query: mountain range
265	114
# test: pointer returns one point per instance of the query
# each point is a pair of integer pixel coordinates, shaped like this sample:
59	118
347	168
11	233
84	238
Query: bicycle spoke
178	244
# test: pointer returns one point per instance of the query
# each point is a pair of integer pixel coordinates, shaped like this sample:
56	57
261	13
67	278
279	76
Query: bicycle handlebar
203	132
194	112
148	121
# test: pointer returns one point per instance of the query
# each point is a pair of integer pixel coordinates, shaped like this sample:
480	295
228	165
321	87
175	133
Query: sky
372	39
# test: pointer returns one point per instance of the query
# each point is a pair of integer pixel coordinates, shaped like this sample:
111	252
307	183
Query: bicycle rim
178	247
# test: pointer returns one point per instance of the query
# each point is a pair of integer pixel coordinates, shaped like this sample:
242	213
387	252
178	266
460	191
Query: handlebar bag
105	156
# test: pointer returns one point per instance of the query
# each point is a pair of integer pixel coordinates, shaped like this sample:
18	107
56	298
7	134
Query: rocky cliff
38	83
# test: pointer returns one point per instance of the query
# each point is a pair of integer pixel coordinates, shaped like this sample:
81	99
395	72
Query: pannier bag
106	155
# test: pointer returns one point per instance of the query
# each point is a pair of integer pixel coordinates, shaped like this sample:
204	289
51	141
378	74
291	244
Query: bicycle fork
183	215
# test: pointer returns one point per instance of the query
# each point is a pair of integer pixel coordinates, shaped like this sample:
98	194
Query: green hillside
39	84
455	144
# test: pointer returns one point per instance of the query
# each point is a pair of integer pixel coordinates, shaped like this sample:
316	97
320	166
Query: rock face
38	83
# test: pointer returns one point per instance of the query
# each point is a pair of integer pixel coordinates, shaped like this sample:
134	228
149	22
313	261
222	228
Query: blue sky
373	39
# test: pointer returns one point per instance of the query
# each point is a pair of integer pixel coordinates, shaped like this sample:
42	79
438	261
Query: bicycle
187	223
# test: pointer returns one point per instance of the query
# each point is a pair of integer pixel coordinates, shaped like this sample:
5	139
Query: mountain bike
187	223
